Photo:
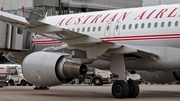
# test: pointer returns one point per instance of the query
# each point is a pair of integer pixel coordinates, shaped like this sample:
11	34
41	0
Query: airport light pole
60	7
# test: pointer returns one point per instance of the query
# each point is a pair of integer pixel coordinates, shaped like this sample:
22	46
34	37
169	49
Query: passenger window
162	24
169	24
94	28
107	28
73	29
149	25
117	27
142	25
83	29
124	27
136	26
176	23
155	24
99	29
78	29
88	29
130	26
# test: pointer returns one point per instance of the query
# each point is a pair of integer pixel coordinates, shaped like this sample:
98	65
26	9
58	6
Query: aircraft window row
149	25
89	28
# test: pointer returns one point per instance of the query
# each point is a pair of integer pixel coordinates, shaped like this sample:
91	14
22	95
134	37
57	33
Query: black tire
80	81
11	82
18	84
133	89
98	81
30	84
41	88
120	89
23	83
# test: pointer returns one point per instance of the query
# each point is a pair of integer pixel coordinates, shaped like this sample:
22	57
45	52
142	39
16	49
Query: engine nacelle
50	69
161	77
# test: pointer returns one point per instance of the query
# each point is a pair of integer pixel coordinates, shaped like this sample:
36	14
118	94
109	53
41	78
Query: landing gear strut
122	89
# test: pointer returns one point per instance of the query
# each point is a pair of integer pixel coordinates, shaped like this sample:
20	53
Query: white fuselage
156	25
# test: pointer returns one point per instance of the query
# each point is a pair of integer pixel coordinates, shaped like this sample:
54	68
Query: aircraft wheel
97	81
133	89
30	84
41	88
120	89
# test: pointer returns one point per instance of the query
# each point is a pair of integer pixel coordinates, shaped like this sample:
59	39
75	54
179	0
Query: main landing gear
123	89
41	88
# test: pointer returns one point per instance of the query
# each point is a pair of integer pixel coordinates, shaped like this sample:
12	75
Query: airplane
144	39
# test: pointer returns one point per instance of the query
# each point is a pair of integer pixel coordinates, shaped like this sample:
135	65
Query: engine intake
50	68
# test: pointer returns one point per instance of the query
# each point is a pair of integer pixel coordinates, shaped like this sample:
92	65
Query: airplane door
108	29
117	28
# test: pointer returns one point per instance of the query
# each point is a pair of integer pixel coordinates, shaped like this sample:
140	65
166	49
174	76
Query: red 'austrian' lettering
171	14
105	18
79	20
88	17
151	14
124	16
112	18
70	21
96	18
139	17
60	23
160	14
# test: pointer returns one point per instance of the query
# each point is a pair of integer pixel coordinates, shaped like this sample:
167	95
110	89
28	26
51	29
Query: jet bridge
14	38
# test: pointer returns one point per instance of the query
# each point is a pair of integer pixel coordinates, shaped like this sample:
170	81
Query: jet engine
161	77
50	68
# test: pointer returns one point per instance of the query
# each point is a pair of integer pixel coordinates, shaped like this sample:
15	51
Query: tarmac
84	92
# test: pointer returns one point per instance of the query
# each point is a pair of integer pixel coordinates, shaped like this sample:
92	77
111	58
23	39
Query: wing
70	37
50	31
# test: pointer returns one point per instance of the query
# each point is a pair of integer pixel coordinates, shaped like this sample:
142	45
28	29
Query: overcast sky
157	2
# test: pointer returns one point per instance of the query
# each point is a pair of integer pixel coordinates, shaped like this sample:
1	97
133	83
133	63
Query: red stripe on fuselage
46	42
144	37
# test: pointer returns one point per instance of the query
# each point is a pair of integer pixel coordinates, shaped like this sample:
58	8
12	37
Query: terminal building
56	7
159	2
